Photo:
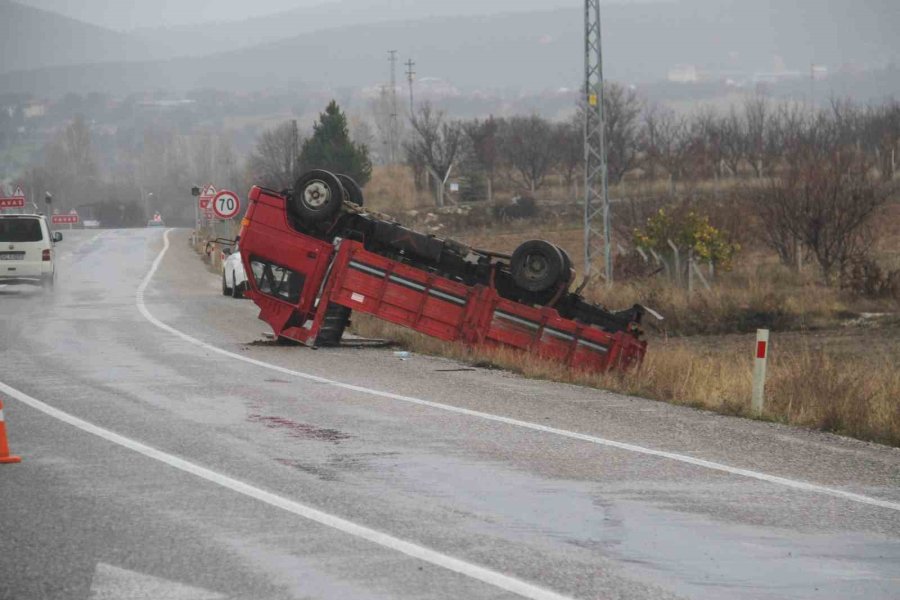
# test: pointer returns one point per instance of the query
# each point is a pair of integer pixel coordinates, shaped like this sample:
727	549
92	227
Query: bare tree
71	166
202	156
436	144
382	109
880	133
666	142
226	167
622	111
568	143
527	146
415	161
78	148
757	125
826	199
732	141
274	162
482	137
361	132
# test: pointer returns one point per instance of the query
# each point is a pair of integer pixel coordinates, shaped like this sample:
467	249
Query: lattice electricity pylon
597	231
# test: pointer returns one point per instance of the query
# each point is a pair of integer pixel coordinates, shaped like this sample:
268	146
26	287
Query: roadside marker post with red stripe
5	457
759	371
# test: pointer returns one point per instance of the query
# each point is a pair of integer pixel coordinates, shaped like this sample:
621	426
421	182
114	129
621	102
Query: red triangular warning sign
18	193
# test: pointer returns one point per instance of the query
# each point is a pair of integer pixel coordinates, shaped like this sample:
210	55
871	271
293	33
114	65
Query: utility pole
597	229
393	135
410	77
812	87
295	150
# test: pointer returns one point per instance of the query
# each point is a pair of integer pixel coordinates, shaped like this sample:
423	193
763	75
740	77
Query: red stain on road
299	430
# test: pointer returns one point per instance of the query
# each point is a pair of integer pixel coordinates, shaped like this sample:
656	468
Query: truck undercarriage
324	217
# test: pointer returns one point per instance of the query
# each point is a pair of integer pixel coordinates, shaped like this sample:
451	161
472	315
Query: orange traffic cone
5	458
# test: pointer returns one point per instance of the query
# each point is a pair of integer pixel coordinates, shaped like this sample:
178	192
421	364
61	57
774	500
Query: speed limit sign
226	205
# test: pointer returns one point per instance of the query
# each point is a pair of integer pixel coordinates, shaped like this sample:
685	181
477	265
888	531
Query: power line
597	229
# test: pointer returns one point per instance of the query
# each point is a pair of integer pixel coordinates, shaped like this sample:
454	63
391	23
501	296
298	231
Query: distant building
819	72
684	74
163	105
34	110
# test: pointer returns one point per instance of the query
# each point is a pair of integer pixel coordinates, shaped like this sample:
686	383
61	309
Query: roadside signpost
12	202
17	200
69	219
205	200
759	371
226	205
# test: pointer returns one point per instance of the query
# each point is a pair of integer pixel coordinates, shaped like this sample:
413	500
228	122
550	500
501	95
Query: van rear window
20	230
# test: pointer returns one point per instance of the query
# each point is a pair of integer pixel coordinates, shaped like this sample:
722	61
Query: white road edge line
493	578
775	479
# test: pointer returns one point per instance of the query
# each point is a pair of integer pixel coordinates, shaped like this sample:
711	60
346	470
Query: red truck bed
345	273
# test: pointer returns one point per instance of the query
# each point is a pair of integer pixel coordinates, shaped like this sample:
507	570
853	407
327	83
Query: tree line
814	178
121	178
759	138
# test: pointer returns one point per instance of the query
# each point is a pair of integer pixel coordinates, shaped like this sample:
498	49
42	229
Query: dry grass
391	190
844	393
735	304
758	293
822	374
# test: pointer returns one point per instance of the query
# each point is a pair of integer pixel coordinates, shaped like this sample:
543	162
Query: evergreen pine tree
330	148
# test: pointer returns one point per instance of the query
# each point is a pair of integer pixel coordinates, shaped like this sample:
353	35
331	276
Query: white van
26	250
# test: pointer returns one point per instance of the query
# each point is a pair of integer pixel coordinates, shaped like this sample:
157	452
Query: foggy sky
133	14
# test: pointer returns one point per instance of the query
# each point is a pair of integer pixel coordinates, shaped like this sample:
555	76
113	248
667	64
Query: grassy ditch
849	393
757	293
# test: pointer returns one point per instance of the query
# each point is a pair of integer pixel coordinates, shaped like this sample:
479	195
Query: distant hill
33	39
209	38
535	50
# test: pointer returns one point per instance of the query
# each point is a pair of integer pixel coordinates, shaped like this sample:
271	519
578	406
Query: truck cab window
276	281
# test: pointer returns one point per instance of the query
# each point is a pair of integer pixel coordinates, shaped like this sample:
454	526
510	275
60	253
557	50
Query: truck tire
568	265
317	196
537	266
336	319
354	192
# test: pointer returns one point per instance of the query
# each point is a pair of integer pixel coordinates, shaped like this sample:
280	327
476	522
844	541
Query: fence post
661	261
678	274
690	282
699	274
759	371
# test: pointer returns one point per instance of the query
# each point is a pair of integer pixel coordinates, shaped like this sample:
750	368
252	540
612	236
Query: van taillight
46	255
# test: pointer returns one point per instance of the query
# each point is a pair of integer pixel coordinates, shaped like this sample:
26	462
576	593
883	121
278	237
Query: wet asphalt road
85	517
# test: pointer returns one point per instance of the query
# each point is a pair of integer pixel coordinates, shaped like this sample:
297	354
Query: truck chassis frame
300	281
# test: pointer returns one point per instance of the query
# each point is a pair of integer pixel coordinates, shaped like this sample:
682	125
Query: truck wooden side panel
346	273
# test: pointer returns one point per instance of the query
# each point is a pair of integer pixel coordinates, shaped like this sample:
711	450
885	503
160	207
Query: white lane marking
783	481
493	578
113	583
70	253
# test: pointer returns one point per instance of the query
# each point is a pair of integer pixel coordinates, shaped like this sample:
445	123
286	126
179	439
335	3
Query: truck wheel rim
316	194
535	267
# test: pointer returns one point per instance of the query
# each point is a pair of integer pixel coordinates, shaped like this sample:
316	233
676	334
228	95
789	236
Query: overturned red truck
313	254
